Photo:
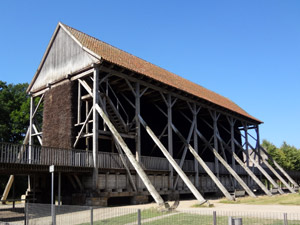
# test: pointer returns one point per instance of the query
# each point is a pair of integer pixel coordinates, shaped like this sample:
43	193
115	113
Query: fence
84	215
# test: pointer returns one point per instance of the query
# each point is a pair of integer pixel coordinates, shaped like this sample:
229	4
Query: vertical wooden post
59	188
170	140
95	126
87	145
30	137
258	144
196	146
31	128
247	149
215	126
138	130
79	103
232	122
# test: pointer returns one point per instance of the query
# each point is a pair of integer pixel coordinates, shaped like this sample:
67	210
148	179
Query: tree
286	156
14	112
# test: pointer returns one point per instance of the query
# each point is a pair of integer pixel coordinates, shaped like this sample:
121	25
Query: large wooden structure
146	131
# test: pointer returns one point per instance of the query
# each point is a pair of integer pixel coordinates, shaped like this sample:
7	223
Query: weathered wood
225	164
246	168
170	140
95	125
215	126
279	167
195	113
78	182
63	56
137	128
36	132
184	152
126	166
278	176
274	172
262	170
83	127
158	199
204	166
183	176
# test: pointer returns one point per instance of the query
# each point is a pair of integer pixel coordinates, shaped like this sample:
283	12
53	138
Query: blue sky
248	51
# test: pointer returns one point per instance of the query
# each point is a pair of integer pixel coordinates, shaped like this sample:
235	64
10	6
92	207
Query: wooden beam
180	96
184	152
169	157
137	128
246	168
204	166
227	166
125	165
157	198
279	167
262	170
274	172
95	123
83	126
170	139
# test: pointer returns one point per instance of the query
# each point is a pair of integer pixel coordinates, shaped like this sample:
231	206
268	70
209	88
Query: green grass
287	199
185	218
129	218
192	219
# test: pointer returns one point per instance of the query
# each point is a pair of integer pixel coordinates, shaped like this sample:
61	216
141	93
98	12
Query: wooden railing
39	155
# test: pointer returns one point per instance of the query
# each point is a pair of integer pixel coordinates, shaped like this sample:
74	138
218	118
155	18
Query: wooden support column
170	140
269	178
157	198
227	166
203	164
280	168
196	160
242	164
275	172
232	123
137	129
169	157
31	132
247	149
216	147
95	126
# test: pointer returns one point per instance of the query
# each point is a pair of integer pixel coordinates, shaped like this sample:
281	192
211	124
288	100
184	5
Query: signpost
51	170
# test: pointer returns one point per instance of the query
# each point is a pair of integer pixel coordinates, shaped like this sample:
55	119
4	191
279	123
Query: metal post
214	218
285	219
59	188
92	216
139	217
52	196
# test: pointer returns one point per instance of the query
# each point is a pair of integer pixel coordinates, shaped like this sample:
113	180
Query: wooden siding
65	56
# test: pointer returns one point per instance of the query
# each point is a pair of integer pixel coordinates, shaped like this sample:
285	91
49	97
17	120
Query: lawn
186	218
286	199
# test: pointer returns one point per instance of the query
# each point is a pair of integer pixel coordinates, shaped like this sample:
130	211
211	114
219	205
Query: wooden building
146	131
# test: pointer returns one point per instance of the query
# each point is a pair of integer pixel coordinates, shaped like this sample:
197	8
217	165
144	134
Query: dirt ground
188	204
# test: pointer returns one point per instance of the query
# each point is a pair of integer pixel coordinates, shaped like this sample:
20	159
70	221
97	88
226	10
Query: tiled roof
138	65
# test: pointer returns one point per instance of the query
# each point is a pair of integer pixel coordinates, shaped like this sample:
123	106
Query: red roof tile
131	62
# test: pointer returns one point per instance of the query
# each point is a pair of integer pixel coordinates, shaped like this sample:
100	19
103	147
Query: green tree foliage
14	112
286	156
